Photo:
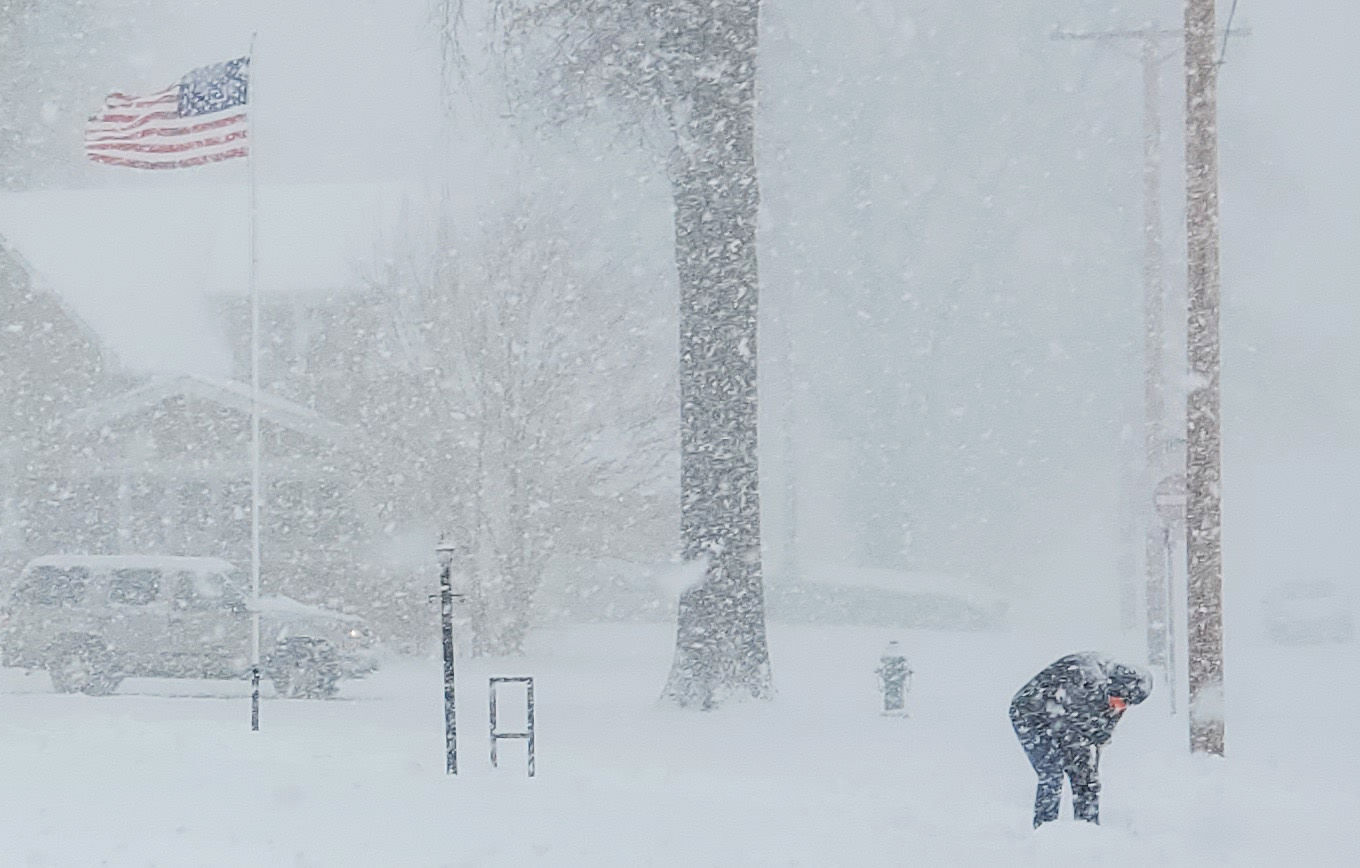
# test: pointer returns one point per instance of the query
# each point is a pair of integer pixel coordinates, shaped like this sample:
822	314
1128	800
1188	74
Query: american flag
200	120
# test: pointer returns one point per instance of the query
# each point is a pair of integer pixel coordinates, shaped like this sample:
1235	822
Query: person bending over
1063	716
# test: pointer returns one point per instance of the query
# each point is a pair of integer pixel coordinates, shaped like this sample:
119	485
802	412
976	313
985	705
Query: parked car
91	620
1306	612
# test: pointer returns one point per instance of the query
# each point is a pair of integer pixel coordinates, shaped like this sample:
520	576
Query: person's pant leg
1047	759
1048	794
1081	767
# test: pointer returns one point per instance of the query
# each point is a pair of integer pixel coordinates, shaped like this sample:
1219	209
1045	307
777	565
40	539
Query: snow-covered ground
167	773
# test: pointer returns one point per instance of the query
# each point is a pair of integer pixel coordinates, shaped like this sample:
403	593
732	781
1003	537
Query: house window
196	522
233	521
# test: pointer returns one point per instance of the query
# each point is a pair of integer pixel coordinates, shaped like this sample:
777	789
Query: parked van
91	620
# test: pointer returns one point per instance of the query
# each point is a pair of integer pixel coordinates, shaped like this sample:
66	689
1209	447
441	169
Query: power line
1227	31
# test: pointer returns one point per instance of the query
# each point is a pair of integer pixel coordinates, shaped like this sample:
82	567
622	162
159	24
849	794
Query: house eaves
226	393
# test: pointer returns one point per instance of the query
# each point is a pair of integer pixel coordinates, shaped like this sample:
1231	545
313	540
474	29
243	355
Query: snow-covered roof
226	393
287	608
135	562
39	283
141	263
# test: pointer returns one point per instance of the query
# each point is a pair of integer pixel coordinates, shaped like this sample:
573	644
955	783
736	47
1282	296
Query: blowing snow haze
477	259
950	242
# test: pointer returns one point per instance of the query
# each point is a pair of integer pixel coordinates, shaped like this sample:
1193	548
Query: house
165	468
99	455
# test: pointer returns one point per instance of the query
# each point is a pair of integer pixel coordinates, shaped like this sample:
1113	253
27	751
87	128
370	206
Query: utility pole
1155	448
1204	556
1158	475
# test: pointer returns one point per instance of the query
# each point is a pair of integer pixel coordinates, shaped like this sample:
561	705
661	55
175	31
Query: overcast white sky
341	90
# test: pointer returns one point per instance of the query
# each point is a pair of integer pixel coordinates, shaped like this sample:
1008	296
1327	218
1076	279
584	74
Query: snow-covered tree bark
720	641
692	65
1203	511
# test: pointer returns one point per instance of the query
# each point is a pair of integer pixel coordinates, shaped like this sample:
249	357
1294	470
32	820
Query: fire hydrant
894	676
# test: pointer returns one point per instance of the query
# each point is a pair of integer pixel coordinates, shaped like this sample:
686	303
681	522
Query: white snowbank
816	777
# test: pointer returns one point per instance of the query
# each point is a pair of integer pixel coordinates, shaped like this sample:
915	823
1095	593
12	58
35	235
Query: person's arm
1102	728
1102	723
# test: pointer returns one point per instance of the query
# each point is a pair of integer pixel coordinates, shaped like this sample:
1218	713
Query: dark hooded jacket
1077	700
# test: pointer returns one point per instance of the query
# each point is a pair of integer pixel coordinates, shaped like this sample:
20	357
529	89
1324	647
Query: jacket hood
1129	683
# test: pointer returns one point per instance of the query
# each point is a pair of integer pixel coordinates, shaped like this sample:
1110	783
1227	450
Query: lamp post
445	551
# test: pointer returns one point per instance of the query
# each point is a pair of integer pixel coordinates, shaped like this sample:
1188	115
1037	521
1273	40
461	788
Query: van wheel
304	669
82	667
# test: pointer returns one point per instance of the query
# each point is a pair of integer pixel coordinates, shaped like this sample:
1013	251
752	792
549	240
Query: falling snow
721	346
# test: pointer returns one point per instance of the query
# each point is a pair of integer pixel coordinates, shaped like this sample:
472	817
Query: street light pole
445	550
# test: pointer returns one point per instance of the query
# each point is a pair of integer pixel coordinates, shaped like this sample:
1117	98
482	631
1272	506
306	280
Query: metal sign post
528	733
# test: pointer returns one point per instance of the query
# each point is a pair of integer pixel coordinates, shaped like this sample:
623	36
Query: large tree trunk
720	638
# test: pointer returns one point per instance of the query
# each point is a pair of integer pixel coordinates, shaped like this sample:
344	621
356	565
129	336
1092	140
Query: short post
255	698
444	550
1168	547
894	673
528	733
1169	499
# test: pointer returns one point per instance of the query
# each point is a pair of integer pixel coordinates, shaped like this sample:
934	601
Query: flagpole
254	410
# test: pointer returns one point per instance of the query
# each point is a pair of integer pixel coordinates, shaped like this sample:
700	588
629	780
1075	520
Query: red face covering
1118	704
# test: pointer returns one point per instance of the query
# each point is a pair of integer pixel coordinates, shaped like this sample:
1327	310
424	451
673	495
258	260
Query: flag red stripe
171	96
111	136
127	97
176	148
133	120
110	160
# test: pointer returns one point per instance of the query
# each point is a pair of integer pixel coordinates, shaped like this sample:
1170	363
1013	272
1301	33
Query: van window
134	587
205	592
53	586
